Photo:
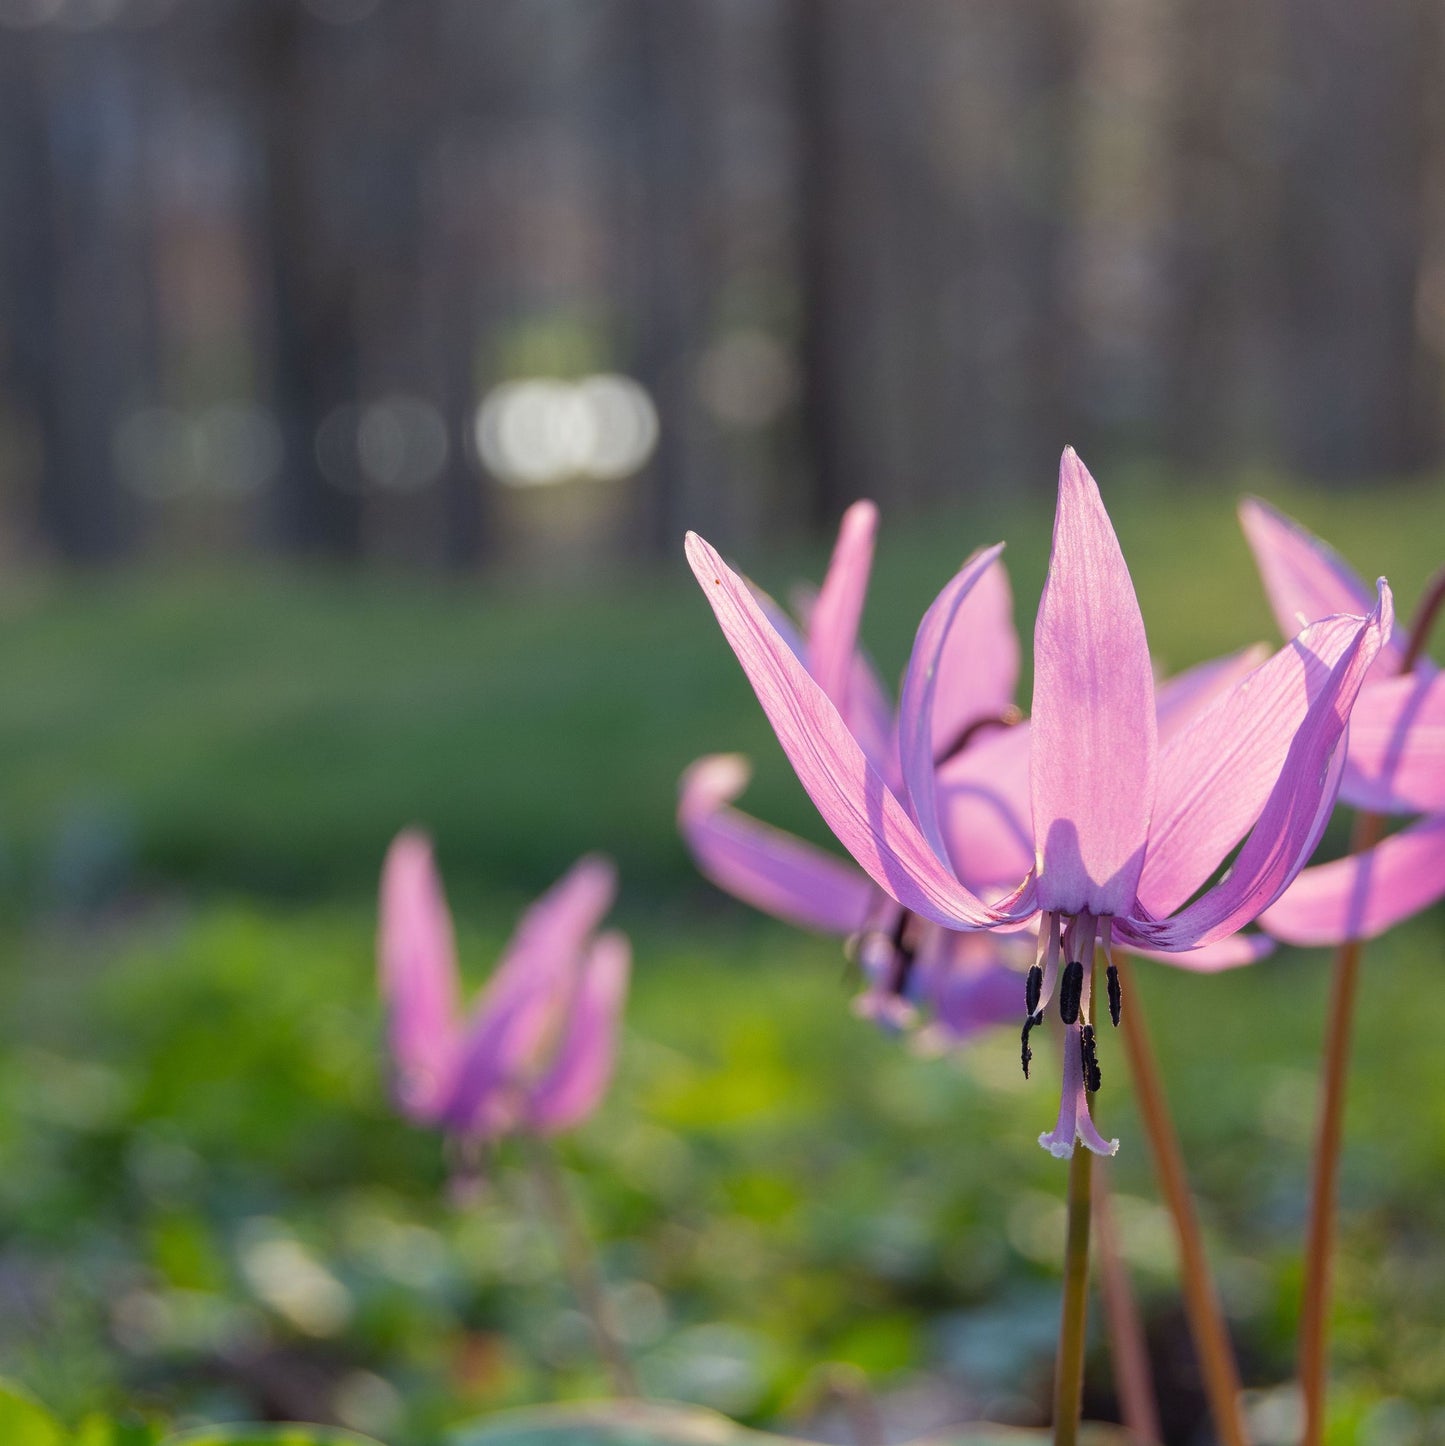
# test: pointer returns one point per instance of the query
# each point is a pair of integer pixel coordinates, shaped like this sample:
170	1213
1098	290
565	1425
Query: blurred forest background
267	263
496	297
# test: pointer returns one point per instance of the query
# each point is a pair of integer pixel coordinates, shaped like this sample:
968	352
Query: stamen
1088	1057
1116	996
1027	1053
1071	992
1033	989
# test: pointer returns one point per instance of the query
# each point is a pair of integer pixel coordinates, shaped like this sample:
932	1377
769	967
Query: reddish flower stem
1128	1353
1201	1301
1369	829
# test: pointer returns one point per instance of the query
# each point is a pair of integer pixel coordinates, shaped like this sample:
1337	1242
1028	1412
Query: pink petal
582	1067
526	997
1396	762
1216	774
1362	896
1228	953
1094	730
1294	814
1178	699
418	967
846	789
983	802
1305	578
761	865
978	982
833	622
1075	1122
920	683
978	664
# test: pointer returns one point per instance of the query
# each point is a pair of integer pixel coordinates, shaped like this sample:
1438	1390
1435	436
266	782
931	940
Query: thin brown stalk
1201	1301
1128	1352
1368	830
580	1262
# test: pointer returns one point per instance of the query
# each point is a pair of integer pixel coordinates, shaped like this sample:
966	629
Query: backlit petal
1295	813
761	865
418	966
582	1067
848	791
1094	730
834	618
978	666
1304	577
1178	699
1362	896
1397	746
920	685
983	805
1216	774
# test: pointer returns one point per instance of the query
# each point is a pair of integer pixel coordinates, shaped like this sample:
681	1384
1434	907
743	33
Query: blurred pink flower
1123	831
1396	758
537	1051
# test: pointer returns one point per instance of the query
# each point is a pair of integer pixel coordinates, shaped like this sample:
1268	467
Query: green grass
270	731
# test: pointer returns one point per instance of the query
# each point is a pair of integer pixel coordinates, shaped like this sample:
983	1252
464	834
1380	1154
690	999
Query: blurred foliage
209	1212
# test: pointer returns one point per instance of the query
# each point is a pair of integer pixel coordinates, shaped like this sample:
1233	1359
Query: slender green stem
1128	1353
1319	1247
580	1262
1069	1372
1201	1301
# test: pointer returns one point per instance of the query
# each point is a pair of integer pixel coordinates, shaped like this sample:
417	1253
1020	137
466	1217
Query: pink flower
1396	760
537	1052
969	981
1122	831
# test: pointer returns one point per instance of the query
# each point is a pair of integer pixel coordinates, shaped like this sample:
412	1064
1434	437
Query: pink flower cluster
991	854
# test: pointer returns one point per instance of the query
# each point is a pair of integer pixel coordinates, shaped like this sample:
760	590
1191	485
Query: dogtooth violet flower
1124	835
1395	762
536	1052
967	980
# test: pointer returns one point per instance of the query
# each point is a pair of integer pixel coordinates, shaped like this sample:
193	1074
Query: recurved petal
761	865
1178	699
1228	953
1094	729
1362	896
920	687
834	618
1295	812
848	791
582	1067
978	663
983	804
1217	772
1396	762
1304	577
416	953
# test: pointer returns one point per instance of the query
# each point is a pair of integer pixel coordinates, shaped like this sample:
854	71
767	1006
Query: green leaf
286	1435
106	1431
24	1421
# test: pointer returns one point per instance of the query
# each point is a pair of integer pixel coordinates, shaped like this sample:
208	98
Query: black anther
1116	995
1027	1053
1033	989
1088	1056
1071	992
